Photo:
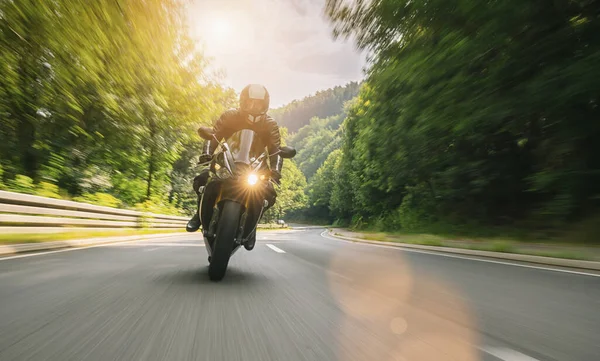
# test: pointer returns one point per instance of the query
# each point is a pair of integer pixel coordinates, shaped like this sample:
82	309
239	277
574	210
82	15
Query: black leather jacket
267	129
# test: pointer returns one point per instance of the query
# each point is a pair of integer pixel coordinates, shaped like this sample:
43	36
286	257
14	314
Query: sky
285	45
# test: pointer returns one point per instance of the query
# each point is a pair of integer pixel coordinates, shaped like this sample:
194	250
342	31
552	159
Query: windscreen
245	145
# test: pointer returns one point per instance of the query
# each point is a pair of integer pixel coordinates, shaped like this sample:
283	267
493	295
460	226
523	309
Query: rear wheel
229	219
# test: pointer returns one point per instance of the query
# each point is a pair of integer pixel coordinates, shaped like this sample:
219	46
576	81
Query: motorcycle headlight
252	179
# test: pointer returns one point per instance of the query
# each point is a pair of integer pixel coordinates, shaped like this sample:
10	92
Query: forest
82	119
322	104
473	116
100	103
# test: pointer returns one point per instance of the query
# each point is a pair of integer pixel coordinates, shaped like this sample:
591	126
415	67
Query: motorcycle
234	199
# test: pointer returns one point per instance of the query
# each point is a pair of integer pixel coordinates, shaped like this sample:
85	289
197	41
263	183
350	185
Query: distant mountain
315	141
322	105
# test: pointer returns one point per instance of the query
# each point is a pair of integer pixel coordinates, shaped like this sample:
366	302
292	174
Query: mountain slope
321	105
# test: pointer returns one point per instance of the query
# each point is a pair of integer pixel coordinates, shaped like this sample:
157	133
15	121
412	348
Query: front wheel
227	228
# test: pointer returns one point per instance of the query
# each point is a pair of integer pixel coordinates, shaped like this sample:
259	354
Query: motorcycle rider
251	114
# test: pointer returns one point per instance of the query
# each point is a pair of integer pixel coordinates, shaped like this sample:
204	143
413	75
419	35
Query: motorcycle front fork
265	204
210	233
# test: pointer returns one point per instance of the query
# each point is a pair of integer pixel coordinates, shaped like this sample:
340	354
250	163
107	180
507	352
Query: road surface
297	296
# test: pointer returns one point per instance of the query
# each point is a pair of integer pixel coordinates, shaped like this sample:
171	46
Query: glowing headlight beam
252	179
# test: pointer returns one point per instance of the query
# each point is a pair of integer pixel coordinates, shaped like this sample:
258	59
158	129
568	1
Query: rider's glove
205	158
276	177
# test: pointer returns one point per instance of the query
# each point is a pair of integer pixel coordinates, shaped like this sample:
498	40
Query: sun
220	29
224	34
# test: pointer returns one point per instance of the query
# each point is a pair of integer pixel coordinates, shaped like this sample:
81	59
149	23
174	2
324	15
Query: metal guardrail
21	213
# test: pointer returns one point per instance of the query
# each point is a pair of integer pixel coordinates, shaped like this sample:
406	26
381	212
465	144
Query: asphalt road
296	296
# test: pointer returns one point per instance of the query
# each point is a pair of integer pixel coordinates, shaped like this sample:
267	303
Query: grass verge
490	245
16	238
273	227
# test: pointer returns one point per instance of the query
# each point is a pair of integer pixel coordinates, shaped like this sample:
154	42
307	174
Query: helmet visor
254	106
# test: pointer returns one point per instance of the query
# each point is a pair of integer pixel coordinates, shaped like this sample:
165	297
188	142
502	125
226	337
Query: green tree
22	184
485	110
1	177
290	196
321	187
322	104
101	97
315	141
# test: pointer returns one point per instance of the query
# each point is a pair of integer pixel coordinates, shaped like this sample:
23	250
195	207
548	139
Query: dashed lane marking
275	248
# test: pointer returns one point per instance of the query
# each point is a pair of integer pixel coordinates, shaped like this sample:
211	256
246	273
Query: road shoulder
77	243
550	261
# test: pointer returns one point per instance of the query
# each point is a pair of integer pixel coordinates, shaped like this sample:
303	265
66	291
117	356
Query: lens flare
252	179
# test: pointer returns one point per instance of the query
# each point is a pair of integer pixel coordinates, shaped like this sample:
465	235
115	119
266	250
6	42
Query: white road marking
71	249
324	235
275	248
151	249
507	354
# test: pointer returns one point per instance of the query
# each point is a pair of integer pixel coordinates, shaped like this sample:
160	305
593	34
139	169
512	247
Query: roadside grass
15	238
479	244
421	239
500	246
273	228
568	255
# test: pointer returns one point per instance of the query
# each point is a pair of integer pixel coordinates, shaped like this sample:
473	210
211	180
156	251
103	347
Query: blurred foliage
320	191
100	97
45	189
2	186
290	195
158	207
320	188
323	104
100	199
315	142
22	184
473	113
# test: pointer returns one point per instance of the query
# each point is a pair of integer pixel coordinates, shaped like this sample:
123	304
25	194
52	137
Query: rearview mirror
287	152
206	133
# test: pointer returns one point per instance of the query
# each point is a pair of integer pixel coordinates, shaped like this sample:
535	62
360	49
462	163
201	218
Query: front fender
235	190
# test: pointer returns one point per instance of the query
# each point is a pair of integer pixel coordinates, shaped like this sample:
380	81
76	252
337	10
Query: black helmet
254	101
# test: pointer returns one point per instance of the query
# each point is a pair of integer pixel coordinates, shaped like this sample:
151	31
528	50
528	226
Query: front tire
229	220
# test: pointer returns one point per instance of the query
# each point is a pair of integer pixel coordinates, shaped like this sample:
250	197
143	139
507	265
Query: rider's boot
194	224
